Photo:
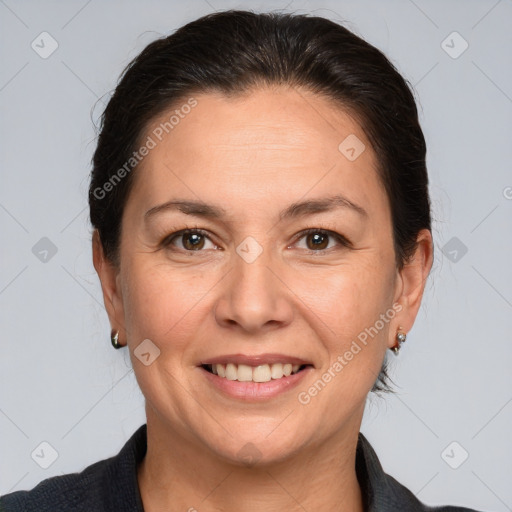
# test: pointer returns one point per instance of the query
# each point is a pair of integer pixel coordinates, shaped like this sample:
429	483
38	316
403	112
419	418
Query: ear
112	296
411	284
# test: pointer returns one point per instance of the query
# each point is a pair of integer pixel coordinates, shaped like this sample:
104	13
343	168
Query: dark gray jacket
111	485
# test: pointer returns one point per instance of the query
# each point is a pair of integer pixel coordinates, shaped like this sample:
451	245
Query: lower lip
255	391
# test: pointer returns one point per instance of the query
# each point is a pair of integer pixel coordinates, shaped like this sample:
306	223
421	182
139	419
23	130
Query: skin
254	155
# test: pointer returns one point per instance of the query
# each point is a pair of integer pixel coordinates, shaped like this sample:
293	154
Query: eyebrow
295	210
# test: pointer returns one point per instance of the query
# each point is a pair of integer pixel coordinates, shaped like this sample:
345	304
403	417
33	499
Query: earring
114	338
400	338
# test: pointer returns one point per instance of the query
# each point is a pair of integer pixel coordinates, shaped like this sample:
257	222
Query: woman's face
260	169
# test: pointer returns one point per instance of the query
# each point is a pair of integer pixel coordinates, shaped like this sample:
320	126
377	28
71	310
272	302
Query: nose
254	297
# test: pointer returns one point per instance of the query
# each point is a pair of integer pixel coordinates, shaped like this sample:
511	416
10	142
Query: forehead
277	144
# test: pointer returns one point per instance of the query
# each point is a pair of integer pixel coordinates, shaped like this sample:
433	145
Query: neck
180	475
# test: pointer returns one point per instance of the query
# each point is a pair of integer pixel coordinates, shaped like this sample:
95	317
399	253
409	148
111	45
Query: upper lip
255	360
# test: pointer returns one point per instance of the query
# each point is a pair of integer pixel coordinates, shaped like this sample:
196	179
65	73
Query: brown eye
189	240
317	240
192	241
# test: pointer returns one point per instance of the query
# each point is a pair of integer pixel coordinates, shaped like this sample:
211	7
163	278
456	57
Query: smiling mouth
260	373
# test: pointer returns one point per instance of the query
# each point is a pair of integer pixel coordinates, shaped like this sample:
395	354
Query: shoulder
76	491
109	484
382	492
397	497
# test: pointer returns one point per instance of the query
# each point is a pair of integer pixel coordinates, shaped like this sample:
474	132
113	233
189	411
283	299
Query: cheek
156	301
166	305
353	308
347	297
345	314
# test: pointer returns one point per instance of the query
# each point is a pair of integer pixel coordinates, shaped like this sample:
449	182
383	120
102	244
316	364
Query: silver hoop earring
114	338
400	338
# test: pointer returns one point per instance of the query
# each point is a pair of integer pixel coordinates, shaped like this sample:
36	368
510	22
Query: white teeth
244	373
231	373
276	371
261	373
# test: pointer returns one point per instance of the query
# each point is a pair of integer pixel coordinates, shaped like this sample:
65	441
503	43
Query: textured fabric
111	485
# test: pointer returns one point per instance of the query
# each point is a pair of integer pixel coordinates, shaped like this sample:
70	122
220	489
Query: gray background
61	381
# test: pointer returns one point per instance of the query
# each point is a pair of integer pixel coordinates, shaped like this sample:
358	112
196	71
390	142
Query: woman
262	236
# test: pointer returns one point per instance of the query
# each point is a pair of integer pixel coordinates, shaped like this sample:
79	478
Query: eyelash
343	241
